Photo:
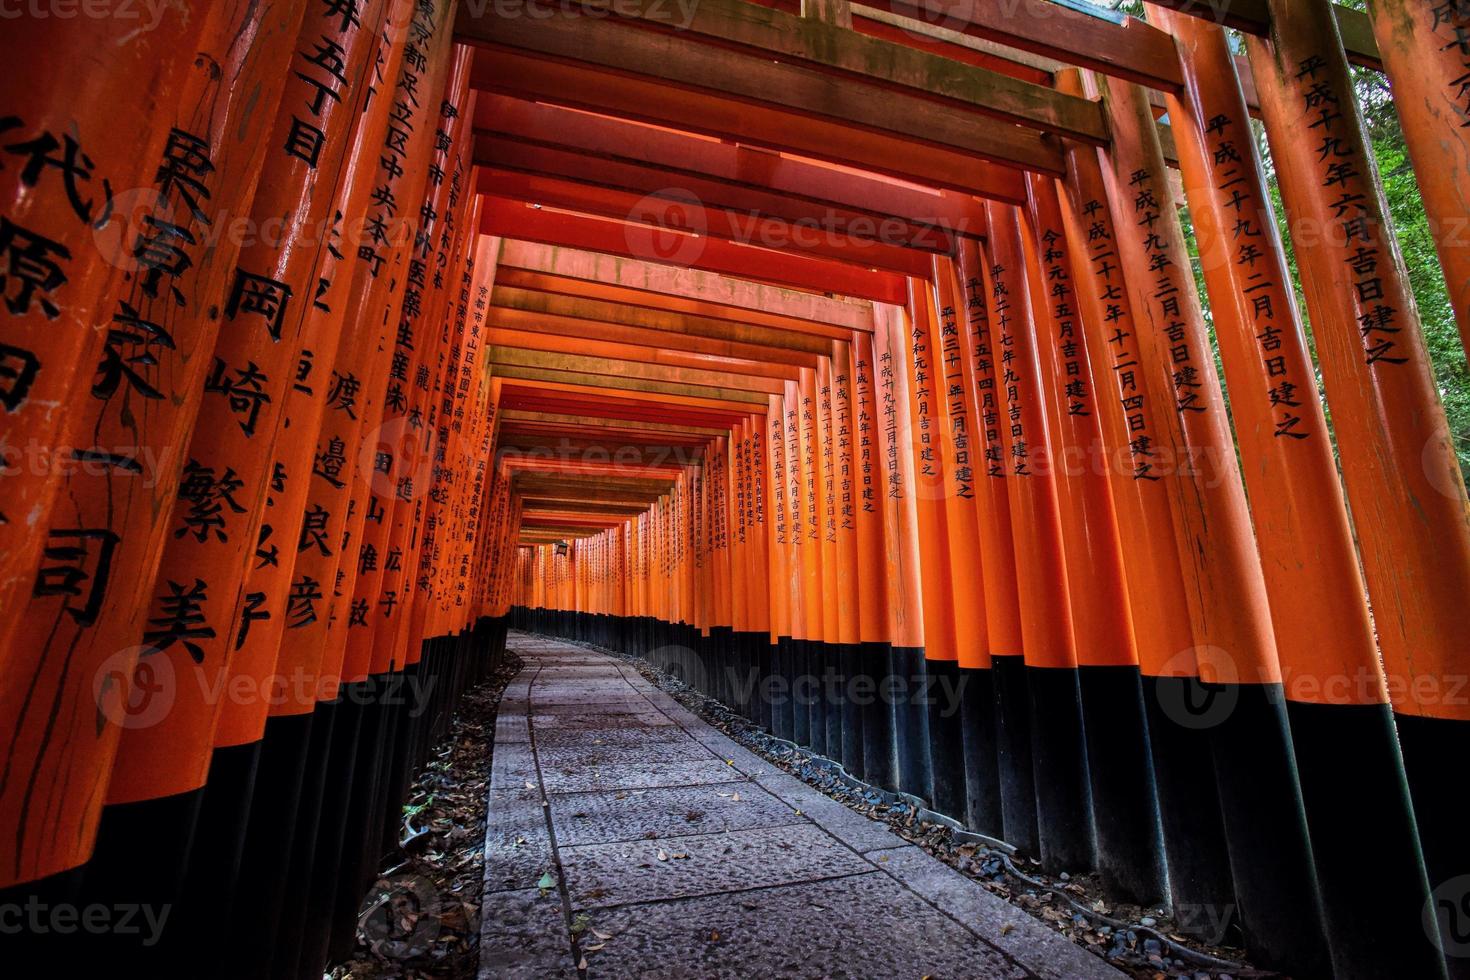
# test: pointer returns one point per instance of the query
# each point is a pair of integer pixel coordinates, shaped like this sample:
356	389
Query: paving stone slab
727	748
1041	949
861	926
511	728
633	740
849	826
577	718
523	934
553	688
601	756
637	775
570	698
786	882
516	856
512	765
589	818
600	875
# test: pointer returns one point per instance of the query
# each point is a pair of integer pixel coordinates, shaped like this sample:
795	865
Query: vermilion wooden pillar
964	686
1143	467
844	530
71	687
199	593
1425	46
871	493
759	570
79	155
266	351
1343	734
826	511
1014	775
374	296
1124	801
906	625
808	455
1235	647
1058	756
1397	456
946	792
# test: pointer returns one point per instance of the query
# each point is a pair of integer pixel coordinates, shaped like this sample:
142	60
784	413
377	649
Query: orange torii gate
845	360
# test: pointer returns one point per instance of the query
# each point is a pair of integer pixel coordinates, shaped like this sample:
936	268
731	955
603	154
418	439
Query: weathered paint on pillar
1425	47
74	657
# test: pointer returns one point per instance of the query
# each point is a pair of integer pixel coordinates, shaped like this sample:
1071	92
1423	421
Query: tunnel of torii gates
809	352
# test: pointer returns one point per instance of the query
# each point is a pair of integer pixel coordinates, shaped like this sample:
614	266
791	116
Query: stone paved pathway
702	860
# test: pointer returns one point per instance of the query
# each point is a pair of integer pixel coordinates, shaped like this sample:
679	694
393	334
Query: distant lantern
561	547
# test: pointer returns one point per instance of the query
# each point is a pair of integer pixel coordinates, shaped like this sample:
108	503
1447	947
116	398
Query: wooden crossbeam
608	371
665	206
709	112
545	324
692	291
1126	48
939	39
718	74
899	68
573	486
722	397
1254	17
531	340
517	219
552	418
719	167
540	294
545	396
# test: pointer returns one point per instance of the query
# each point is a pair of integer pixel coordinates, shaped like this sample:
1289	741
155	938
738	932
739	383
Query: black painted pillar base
942	694
269	837
762	650
1013	753
140	859
1266	830
854	680
780	689
910	721
340	771
818	654
982	775
1202	890
36	938
833	698
1059	755
1354	790
801	693
291	927
1125	806
1435	750
877	717
356	868
200	923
